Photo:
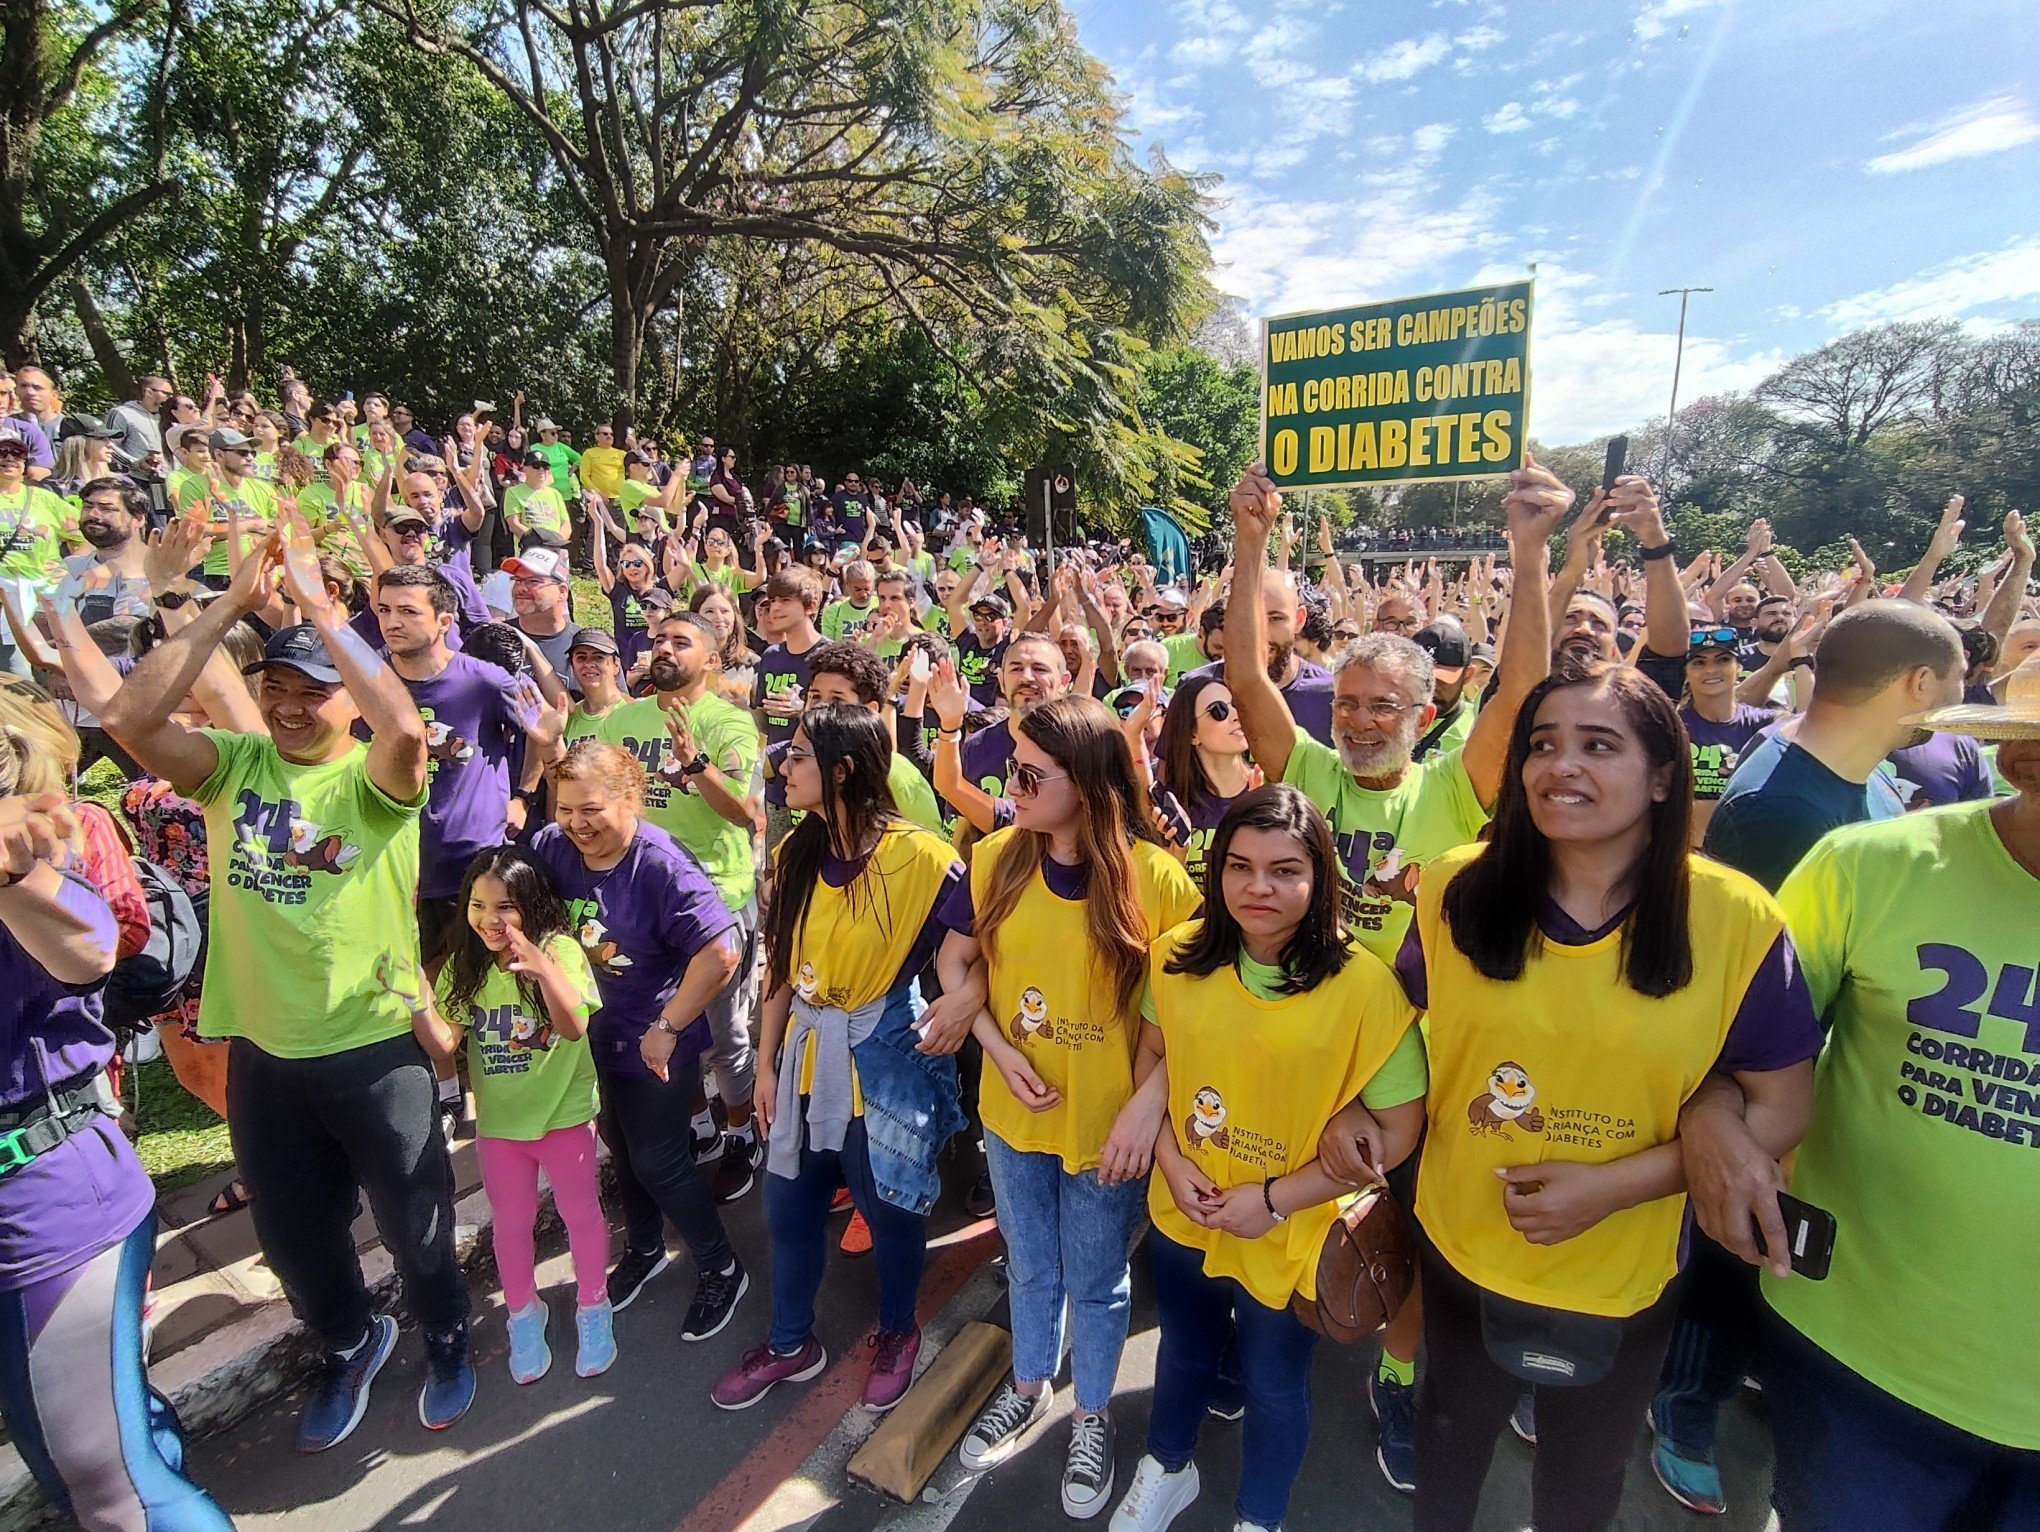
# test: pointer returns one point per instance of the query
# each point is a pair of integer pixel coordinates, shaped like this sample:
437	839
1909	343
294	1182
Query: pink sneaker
893	1353
761	1369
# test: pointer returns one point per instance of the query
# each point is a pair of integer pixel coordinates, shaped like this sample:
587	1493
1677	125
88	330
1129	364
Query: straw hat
2018	718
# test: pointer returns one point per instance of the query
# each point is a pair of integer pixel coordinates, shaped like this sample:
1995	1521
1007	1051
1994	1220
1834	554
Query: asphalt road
642	1449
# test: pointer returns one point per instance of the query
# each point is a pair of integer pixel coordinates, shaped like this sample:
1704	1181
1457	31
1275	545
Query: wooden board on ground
904	1452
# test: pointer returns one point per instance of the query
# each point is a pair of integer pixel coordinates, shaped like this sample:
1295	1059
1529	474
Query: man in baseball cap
300	649
1451	651
542	605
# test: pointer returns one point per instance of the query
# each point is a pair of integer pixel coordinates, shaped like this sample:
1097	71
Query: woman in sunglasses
1719	728
1584	972
633	590
1080	871
1204	765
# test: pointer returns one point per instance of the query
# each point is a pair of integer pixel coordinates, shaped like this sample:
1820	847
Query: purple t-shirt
1718	747
1944	769
1309	695
640	922
984	755
628	616
780	669
472	737
90	1191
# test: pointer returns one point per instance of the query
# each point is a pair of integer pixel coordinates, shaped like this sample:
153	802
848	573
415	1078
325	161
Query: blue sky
1823	164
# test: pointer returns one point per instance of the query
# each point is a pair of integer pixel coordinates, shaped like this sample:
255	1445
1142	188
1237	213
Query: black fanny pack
34	1129
1555	1347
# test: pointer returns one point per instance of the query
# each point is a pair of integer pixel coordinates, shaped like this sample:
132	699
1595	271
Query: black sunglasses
1218	710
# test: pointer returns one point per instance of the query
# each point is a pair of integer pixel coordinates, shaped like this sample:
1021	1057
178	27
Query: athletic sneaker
703	1146
1087	1471
530	1357
1228	1399
595	1330
449	1379
893	1353
715	1299
1395	1430
841	1202
1523	1420
1691	1478
738	1172
1156	1497
981	1201
1003	1425
340	1397
764	1369
632	1272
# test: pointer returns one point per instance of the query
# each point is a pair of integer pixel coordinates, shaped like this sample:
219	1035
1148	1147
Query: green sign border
1360	310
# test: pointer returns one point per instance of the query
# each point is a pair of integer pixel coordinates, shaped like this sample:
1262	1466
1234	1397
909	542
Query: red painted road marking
824	1402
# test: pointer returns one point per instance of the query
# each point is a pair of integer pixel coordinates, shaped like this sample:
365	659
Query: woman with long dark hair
865	900
1203	762
1264	1018
1584	973
1080	871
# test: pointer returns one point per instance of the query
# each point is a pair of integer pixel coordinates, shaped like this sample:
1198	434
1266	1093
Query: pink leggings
510	1170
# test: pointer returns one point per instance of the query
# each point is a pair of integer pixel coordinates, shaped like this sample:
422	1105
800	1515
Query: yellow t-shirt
1061	1012
602	471
1252	1084
1569	1063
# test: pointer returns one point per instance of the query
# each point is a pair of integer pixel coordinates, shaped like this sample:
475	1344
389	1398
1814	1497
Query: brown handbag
1366	1268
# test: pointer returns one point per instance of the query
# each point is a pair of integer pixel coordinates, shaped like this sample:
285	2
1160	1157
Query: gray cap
227	439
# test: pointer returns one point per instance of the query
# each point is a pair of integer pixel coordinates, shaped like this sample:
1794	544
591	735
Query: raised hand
1256	503
1633	506
41	828
173	553
948	696
1536	502
1948	530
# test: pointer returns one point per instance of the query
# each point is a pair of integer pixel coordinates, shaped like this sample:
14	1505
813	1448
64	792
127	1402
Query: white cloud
1510	119
1653	21
1146	112
1201	50
1989	127
1480	38
1953	290
1430	140
1561	108
1406	58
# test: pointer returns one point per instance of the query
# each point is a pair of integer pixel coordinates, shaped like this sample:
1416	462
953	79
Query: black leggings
1583	1434
644	1122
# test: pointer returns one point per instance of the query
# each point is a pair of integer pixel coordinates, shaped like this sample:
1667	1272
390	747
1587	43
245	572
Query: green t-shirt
634	493
727	578
254	499
318	505
563	458
729	736
1385	835
314	882
1455	732
31	520
528	1079
582	725
541	509
1917	937
1183	654
914	794
846	619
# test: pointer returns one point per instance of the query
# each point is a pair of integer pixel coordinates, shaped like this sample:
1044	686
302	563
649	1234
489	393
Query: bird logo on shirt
1205	1122
1032	1017
1394	879
317	853
442	744
808	984
1509	1099
603	953
528	1034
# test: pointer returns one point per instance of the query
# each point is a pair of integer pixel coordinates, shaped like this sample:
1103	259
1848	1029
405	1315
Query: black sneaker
715	1299
979	1201
632	1273
704	1146
738	1172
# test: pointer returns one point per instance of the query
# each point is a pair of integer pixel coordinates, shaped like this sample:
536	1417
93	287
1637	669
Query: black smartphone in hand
1611	469
1809	1236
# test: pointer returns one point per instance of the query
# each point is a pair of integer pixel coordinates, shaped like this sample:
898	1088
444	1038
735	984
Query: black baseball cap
1447	644
297	648
994	603
597	639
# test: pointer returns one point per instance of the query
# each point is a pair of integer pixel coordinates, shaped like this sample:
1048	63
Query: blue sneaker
593	1323
530	1356
1523	1420
1689	1477
341	1396
449	1379
1395	1433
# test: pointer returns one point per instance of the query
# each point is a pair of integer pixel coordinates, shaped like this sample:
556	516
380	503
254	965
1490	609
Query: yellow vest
1058	1009
1252	1084
1569	1063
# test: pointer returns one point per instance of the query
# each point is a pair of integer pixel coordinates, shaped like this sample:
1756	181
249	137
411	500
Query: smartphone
1810	1234
1611	469
348	395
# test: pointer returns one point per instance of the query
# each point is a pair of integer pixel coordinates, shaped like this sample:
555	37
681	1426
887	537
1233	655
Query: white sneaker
1156	1497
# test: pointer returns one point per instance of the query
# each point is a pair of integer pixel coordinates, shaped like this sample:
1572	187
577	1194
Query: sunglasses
1025	781
1218	710
632	564
1135	632
1707	637
1345	635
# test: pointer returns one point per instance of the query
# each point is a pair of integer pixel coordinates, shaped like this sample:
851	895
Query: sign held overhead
1400	392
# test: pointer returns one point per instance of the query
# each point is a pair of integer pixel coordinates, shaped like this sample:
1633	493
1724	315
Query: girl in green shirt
518	985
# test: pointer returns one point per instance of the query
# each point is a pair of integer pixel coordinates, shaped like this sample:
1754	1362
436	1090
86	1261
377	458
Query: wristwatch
695	767
660	1024
171	600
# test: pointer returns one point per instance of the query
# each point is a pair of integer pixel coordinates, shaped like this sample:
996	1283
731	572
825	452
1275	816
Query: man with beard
1585	621
1390	813
1451	652
542	606
1305	685
981	647
971	773
109	581
700	754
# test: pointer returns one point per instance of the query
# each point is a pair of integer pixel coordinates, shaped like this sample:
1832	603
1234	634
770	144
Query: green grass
103	784
181	1140
591	607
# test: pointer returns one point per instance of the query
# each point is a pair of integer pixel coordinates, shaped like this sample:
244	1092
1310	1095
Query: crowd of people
1657	930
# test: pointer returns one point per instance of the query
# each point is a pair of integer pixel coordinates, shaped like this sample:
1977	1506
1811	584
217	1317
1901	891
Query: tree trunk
120	378
626	341
17	328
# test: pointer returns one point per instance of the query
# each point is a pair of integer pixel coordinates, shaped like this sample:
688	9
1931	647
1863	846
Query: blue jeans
1850	1455
1198	1315
797	1211
1066	1239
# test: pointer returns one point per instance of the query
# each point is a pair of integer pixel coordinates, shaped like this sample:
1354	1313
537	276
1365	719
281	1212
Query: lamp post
1678	358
